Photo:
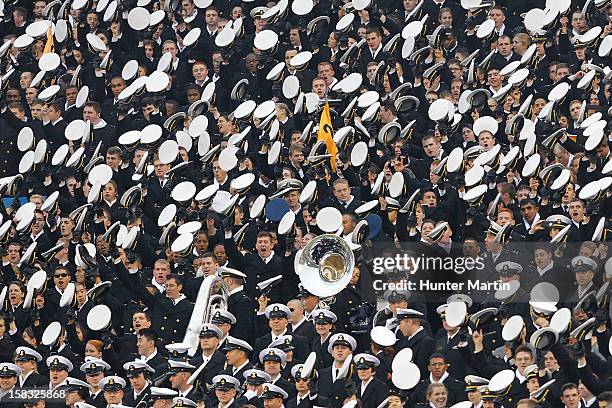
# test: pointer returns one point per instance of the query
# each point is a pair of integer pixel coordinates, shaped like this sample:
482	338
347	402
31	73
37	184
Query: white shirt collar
184	393
520	376
152	355
295	326
274	336
441	380
364	384
236	369
101	123
415	333
535	219
157	285
547	268
178	299
236	290
268	259
110	203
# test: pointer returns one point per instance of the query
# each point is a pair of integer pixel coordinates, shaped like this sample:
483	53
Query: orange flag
326	135
49	44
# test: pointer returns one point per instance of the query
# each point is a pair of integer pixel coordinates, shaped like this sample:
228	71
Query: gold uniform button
165	317
162	328
178	320
173	331
350	302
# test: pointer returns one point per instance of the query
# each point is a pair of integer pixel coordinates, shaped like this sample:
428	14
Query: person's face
323	329
297	157
431	147
6	383
209	343
293	199
92	351
92	20
39	6
143	344
603	150
348	224
529	211
66	226
209	265
533	384
486	141
212	18
117	85
562	72
57	376
31	94
438	397
504	218
294	37
494	78
61	277
173	289
373	40
113	160
578	21
225	126
188	7
220	254
94	379
14	254
264	246
365	374
273	368
225	396
519	46
437	367
236	12
342	192
138	382
12	95
200	72
583	278
474	397
429	199
319	87
234	357
90	114
542	258
139	321
171	48
523	360
576	210
160	168
504	46
497	16
446	19
251	63
25	79
571	398
340	353
161	272
110	191
278	324
395	401
113	397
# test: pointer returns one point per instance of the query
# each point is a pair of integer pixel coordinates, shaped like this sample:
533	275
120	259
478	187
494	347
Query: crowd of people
199	198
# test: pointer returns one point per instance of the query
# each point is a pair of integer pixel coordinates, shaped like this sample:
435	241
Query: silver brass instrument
213	295
325	265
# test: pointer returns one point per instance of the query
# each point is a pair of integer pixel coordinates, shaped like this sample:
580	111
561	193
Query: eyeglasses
61	275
